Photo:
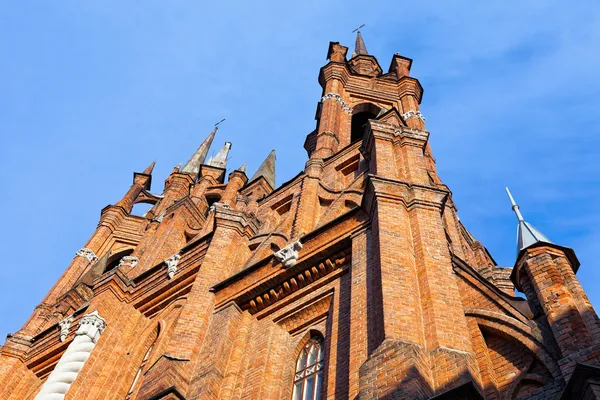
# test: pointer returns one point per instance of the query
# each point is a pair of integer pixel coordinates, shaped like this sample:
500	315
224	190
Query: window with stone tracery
309	371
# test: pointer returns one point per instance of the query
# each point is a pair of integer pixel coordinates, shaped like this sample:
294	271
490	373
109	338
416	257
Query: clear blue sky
91	91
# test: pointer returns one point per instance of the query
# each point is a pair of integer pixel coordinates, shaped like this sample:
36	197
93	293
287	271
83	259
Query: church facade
353	280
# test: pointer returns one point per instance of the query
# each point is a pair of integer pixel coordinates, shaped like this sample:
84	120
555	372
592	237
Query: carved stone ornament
413	114
219	204
87	253
71	362
288	256
338	98
65	325
172	265
91	325
129	261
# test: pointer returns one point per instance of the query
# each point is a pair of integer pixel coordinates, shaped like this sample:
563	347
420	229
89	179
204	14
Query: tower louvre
353	280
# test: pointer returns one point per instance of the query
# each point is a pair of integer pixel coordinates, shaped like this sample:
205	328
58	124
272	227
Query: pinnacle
197	159
149	168
267	169
360	48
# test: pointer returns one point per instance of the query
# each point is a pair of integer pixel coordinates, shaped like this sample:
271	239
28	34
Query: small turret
545	272
141	181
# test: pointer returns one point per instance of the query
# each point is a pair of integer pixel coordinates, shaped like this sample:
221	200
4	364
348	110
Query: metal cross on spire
218	123
358	29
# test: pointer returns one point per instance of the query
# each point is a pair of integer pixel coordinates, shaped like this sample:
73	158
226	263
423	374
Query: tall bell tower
355	279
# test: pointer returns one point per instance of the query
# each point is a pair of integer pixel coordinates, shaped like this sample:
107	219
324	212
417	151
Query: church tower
353	280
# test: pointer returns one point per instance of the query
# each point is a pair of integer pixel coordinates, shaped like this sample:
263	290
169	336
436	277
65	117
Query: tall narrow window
143	364
309	371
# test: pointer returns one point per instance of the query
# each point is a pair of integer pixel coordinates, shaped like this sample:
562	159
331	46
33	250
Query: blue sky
92	91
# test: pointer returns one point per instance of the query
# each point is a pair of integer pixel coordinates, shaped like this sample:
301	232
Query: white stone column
71	362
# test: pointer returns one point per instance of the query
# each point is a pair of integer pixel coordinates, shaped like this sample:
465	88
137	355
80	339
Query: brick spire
359	47
193	165
267	170
149	168
527	234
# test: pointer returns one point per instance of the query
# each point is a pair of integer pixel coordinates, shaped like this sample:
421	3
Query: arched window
154	338
362	114
309	371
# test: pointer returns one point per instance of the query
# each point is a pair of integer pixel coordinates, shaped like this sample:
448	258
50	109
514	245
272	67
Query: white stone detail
68	367
218	203
65	325
172	265
129	261
87	253
413	114
338	98
288	256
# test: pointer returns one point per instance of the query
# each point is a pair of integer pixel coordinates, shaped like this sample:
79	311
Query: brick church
353	280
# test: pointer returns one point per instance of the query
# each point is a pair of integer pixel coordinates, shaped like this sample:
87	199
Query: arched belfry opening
361	114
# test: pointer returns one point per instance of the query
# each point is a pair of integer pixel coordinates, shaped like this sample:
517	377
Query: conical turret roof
267	170
197	159
527	234
359	47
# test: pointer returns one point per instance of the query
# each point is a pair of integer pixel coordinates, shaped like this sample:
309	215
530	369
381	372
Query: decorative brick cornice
306	275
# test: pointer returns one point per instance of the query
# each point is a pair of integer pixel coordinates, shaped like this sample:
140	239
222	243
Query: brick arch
512	329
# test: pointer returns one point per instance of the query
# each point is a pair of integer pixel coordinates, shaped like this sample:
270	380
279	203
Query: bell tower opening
362	113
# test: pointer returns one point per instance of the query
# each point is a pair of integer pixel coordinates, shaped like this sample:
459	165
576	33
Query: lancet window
309	371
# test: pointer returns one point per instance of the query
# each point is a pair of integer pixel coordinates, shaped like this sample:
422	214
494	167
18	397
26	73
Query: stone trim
334	96
70	364
172	265
87	253
288	256
413	114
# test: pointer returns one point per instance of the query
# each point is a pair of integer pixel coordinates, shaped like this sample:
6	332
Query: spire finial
527	234
359	47
515	207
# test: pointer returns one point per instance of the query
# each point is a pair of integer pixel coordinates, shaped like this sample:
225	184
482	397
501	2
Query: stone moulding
87	253
172	265
288	256
338	98
70	364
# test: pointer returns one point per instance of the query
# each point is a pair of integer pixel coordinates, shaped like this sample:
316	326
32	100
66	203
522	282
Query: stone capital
91	325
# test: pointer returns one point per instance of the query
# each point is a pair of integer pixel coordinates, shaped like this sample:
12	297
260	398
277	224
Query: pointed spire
267	169
220	160
149	168
193	165
527	234
242	168
360	48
